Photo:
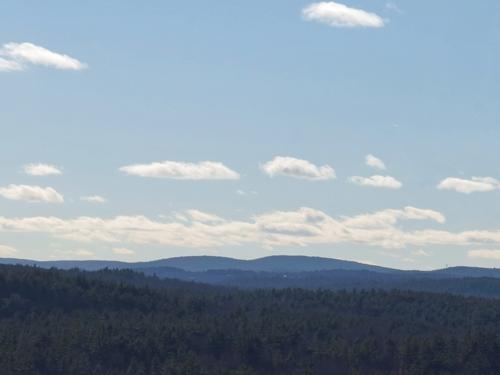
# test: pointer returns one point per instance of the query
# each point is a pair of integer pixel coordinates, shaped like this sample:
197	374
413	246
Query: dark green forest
121	322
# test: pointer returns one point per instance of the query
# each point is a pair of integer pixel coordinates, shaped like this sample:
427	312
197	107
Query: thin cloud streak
484	254
123	251
474	185
377	181
40	169
94	199
9	66
7	251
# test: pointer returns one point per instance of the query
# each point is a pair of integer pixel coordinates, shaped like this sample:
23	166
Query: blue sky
284	99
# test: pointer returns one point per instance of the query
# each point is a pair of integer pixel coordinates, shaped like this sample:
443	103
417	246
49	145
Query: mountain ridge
272	264
279	272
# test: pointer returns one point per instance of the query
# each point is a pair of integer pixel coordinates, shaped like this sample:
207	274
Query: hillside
276	264
73	322
206	263
299	272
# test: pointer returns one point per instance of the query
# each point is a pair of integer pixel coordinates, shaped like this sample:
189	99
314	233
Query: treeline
344	279
120	322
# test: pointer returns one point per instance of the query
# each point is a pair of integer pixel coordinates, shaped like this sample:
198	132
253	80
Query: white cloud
83	253
205	170
398	256
388	218
476	184
245	193
387	182
94	199
340	15
302	227
393	8
7	251
420	253
374	162
297	168
123	251
72	254
9	66
203	217
30	193
20	55
484	254
39	169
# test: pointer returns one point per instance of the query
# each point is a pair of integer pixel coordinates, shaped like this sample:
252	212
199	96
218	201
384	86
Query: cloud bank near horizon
300	228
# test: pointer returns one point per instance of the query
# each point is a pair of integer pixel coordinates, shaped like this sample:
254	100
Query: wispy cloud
297	168
374	162
474	185
33	194
484	254
340	15
7	251
9	65
94	199
205	170
203	217
73	254
245	192
18	56
420	253
123	251
40	169
393	7
377	181
301	227
390	217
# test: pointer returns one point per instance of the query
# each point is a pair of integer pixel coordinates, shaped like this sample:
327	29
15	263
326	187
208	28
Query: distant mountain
468	272
206	263
87	265
278	263
296	272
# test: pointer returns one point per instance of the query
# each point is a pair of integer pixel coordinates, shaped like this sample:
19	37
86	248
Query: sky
361	130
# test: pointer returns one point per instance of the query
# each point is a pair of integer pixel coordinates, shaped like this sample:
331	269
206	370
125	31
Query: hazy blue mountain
468	272
88	265
278	271
206	263
298	272
268	264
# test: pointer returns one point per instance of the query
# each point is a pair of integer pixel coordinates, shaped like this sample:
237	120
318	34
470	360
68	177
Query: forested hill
299	272
120	322
284	263
270	264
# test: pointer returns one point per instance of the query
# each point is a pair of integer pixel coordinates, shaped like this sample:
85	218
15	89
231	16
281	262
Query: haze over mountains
207	263
276	263
297	272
